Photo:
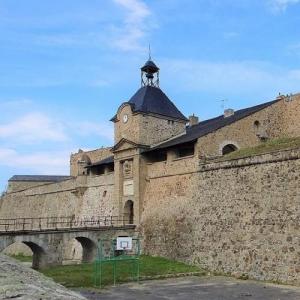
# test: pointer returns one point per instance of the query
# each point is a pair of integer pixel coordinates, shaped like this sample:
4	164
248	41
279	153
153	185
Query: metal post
114	271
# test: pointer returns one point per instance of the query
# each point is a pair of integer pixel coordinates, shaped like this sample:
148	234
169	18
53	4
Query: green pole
138	275
114	271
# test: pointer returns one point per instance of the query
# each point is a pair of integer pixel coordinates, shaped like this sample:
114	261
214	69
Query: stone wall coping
270	157
39	186
101	175
184	157
90	151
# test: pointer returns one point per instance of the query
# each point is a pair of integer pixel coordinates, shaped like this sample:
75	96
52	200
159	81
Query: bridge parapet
22	225
48	238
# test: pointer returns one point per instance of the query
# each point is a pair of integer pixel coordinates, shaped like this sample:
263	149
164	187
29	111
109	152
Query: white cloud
99	83
56	163
15	103
134	25
230	35
94	129
38	127
33	127
294	49
233	77
278	6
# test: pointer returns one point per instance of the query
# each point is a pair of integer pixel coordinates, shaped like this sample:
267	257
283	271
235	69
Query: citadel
174	178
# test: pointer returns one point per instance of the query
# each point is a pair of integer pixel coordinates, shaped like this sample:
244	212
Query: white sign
124	243
128	188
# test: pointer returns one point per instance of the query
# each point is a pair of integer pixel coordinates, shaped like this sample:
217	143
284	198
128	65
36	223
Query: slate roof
149	99
208	126
150	66
105	161
44	178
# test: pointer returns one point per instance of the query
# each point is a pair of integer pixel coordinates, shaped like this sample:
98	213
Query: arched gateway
128	212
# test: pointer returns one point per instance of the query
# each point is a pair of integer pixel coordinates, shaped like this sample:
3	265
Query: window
256	124
228	149
188	151
185	150
157	156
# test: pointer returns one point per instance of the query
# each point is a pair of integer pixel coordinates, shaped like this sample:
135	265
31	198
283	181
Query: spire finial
149	51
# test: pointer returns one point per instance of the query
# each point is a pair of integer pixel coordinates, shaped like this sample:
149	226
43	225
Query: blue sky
66	66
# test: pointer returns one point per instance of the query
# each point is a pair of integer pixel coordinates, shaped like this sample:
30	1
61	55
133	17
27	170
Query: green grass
22	258
76	276
266	147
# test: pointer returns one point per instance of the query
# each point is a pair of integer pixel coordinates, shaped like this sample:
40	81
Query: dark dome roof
149	99
150	67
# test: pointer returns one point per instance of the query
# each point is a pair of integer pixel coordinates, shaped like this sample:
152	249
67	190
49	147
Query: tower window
228	149
256	124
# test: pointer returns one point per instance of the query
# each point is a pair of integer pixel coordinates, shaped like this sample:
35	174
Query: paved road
198	288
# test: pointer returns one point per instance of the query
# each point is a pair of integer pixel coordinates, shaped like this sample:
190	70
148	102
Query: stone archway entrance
128	212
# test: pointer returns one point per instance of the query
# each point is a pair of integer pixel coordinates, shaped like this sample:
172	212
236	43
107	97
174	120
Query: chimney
228	112
193	120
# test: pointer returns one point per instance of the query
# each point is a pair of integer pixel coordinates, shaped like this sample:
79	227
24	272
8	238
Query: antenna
223	104
149	52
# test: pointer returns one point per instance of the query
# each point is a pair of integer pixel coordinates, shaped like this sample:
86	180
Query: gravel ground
198	288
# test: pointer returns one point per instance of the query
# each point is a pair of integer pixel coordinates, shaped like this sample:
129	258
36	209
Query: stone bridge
48	237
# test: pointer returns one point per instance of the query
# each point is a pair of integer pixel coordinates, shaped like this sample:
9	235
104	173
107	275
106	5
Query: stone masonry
163	175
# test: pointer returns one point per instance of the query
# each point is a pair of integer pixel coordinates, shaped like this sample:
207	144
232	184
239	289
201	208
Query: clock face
125	118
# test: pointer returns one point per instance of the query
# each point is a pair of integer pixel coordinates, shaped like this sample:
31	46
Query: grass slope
269	146
82	275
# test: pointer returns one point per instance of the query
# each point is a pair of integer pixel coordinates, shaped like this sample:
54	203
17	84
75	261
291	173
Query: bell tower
149	117
150	74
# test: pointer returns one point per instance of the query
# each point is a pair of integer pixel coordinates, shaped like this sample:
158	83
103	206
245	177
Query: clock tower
147	119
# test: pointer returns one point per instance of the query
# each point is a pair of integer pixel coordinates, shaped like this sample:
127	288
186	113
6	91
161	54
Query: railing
60	223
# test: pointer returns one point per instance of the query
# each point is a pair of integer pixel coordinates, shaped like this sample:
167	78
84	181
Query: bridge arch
89	248
87	245
39	255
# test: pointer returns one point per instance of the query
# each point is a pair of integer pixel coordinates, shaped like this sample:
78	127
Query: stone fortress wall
16	186
80	197
239	217
233	216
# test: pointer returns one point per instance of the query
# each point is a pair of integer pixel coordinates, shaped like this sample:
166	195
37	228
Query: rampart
79	197
240	217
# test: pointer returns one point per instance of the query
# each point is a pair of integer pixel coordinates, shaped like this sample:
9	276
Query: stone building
162	174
